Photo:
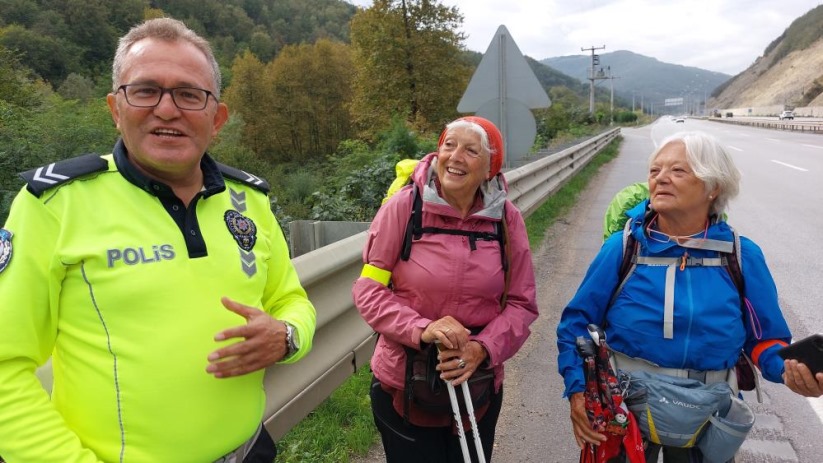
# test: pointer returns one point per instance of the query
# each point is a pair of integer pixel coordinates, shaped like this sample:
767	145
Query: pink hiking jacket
443	276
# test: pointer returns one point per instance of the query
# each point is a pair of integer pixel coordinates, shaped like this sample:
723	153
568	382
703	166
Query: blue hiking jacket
709	326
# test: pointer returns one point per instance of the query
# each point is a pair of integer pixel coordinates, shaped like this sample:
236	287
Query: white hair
711	163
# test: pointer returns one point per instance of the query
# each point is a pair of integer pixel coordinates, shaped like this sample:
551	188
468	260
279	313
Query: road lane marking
817	406
734	148
773	139
789	165
814	146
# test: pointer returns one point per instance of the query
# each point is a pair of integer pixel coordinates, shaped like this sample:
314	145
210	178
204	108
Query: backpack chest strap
672	264
685	261
708	244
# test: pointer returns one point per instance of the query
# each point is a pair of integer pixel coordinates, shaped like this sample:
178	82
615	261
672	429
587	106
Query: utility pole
611	105
592	76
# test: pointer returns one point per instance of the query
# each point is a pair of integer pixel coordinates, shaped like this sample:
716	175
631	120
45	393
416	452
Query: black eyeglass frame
171	91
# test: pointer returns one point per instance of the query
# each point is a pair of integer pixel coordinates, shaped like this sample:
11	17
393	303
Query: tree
51	58
22	12
90	29
296	107
249	97
76	87
16	84
262	45
408	59
312	93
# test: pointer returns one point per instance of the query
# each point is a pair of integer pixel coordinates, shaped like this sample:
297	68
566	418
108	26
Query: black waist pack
424	390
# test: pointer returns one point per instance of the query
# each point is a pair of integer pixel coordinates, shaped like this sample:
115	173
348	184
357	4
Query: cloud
718	35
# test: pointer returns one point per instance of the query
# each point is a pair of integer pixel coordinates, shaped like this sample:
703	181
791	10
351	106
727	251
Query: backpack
747	378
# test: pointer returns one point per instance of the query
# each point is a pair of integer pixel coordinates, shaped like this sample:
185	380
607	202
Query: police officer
157	279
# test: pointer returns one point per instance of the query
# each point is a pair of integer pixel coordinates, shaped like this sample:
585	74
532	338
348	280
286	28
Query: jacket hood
492	191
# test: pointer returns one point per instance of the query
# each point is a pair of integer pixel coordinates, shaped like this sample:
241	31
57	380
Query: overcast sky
718	35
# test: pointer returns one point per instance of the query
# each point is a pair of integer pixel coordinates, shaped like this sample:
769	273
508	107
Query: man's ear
220	118
111	100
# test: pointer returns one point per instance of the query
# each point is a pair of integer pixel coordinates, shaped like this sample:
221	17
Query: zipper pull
683	261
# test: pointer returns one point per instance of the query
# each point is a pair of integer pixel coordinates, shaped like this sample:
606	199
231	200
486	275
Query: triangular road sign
503	73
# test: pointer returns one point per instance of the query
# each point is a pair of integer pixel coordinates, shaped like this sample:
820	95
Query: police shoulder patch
5	248
244	177
57	173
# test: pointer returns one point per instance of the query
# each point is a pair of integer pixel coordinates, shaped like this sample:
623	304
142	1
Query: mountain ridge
650	81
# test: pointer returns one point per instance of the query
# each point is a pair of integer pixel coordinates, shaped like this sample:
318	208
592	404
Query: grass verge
338	429
342	426
559	203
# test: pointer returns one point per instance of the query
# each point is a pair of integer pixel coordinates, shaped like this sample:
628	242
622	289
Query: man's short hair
166	29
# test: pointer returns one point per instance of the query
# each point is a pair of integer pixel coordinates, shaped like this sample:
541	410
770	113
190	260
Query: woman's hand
448	331
457	365
582	428
799	379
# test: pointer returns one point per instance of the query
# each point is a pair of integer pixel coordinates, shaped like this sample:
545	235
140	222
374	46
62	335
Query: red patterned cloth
607	412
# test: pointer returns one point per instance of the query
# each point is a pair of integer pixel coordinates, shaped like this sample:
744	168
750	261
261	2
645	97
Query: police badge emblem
5	248
242	229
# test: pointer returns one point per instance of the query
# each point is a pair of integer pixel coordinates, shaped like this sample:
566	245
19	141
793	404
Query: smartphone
808	351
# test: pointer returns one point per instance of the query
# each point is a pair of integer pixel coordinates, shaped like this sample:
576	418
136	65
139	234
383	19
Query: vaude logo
663	400
685	405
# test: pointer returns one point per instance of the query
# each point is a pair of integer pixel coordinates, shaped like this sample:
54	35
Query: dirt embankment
781	83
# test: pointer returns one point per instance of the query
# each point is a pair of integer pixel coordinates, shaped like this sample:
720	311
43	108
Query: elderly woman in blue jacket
670	318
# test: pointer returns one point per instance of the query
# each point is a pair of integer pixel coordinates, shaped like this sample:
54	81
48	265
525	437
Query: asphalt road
779	207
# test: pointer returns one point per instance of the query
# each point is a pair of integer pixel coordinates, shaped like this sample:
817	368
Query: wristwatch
292	345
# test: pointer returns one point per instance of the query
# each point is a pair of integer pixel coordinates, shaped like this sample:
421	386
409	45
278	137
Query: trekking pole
459	421
464	447
478	446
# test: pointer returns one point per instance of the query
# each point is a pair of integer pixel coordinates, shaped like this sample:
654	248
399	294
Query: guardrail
344	342
792	125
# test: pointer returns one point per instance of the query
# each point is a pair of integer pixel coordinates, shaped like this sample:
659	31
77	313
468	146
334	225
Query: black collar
213	182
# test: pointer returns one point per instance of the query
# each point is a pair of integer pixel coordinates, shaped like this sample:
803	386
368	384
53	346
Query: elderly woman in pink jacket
447	261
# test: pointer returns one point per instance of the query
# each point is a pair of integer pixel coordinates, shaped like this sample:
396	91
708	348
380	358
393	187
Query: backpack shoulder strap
734	265
629	251
414	224
505	253
629	260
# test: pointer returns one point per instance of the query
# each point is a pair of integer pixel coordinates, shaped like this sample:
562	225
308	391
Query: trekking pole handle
597	333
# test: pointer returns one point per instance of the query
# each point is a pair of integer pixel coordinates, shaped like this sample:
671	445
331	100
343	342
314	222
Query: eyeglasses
149	96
